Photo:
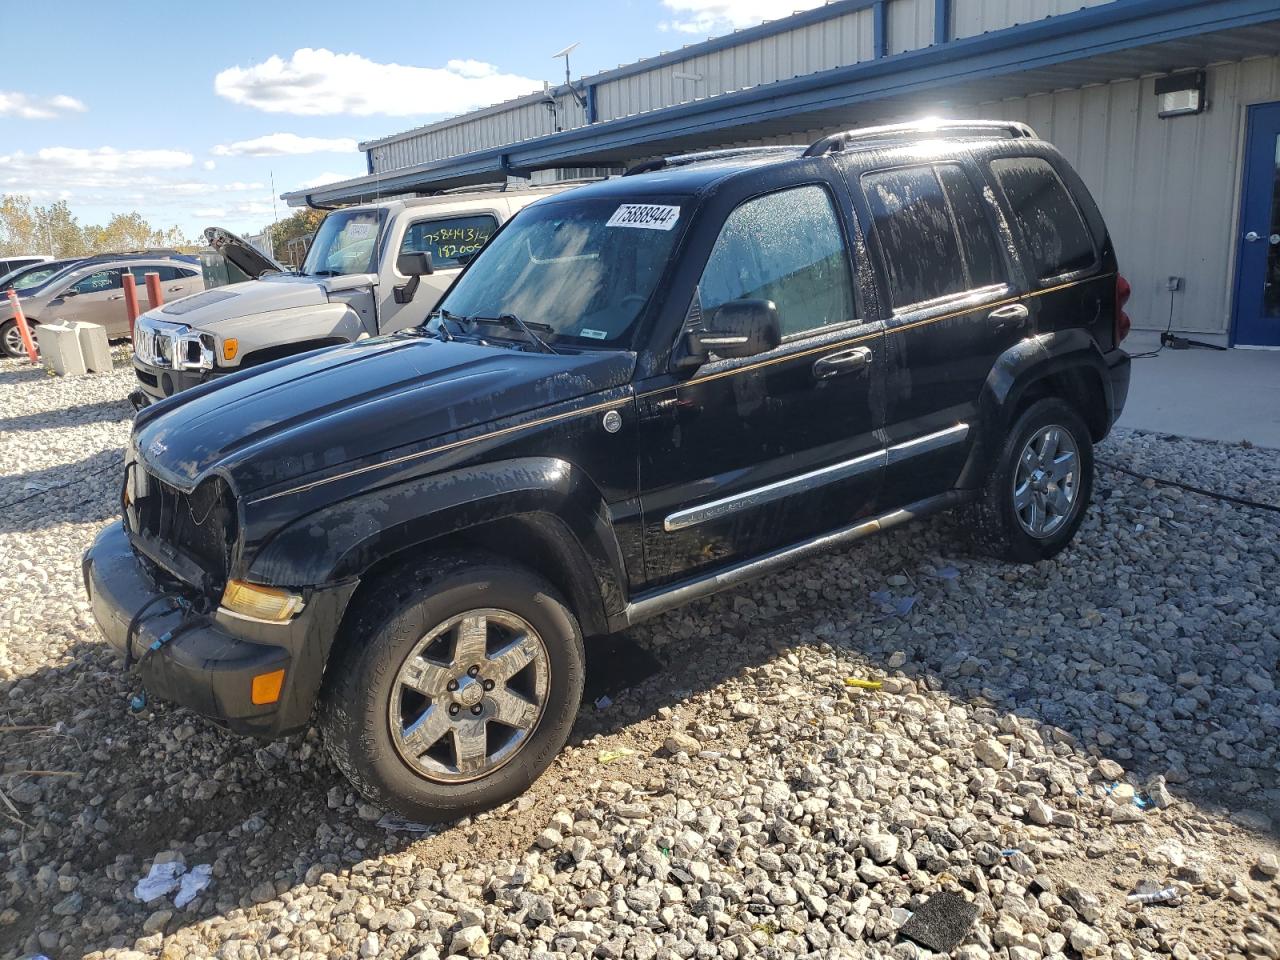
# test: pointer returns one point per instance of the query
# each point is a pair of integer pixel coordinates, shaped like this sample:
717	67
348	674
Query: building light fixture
1181	94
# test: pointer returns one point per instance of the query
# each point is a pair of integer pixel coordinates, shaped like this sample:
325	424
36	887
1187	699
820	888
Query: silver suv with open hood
371	270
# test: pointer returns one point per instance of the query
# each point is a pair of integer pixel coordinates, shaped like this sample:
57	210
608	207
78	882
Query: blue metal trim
591	103
368	160
941	21
881	30
1108	28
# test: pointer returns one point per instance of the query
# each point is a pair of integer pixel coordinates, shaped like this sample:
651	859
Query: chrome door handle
846	361
1013	313
174	289
1253	236
118	296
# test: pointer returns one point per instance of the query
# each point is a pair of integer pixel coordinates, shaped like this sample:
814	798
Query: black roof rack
836	142
703	156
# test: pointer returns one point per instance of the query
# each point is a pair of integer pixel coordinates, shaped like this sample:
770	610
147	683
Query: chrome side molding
652	603
774	491
928	443
805	482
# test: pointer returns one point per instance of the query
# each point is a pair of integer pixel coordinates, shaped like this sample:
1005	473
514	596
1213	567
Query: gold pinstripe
839	344
826	347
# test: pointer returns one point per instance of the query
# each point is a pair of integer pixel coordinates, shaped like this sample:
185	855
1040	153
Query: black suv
638	393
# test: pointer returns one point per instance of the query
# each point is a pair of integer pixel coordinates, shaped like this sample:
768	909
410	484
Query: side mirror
415	266
739	328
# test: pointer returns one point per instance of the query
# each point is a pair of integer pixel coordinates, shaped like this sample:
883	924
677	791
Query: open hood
241	253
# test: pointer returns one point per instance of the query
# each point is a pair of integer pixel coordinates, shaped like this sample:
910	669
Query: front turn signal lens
266	687
261	603
230	347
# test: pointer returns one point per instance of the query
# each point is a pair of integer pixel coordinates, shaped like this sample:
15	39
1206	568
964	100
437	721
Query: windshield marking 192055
564	267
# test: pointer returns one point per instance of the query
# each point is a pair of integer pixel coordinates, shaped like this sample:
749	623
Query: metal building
1170	110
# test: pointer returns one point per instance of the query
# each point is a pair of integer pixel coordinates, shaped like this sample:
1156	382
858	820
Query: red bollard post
153	290
23	329
130	299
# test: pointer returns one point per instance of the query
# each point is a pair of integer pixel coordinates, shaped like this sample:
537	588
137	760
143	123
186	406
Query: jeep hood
356	403
205	310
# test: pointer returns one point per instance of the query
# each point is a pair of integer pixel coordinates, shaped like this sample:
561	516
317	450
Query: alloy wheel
469	695
1046	481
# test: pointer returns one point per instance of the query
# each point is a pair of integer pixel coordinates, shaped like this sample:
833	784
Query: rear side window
448	240
786	247
982	257
937	242
1048	218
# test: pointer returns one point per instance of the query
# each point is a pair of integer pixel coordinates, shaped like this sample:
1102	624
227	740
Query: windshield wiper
445	316
323	273
512	322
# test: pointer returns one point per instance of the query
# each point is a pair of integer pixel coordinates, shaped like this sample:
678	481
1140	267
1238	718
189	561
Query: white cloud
315	82
284	144
209	164
27	107
710	16
71	164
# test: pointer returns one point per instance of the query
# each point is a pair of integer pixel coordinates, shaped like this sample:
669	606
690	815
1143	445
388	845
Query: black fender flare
1072	353
342	541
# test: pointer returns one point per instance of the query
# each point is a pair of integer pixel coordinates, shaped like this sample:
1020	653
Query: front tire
455	688
11	340
1036	495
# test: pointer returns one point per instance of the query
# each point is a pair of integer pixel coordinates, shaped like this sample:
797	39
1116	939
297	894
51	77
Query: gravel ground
1046	738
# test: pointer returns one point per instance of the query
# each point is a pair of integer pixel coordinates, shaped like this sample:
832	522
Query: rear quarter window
1045	215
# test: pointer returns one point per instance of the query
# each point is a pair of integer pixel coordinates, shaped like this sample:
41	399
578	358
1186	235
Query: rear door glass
449	241
982	257
1048	219
921	253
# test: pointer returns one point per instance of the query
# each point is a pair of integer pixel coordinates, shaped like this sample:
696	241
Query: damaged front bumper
207	661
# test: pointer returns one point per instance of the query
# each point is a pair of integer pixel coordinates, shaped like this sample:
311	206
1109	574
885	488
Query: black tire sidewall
1043	413
355	709
5	327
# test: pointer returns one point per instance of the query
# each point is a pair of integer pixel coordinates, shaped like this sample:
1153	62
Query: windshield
62	272
346	242
34	276
581	269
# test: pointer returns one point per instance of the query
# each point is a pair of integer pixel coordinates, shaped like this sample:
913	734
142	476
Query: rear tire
1039	489
421	709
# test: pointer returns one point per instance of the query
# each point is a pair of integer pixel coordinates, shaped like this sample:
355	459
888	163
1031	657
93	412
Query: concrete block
60	349
93	346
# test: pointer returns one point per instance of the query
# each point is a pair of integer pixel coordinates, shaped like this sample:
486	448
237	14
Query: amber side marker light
261	603
230	347
266	687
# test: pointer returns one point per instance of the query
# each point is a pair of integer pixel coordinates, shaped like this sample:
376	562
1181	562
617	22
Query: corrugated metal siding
809	48
842	40
910	24
1169	189
972	17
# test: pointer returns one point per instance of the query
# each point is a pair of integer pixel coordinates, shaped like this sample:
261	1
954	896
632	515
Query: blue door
1257	321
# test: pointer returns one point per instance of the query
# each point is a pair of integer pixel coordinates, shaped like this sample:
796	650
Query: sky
188	113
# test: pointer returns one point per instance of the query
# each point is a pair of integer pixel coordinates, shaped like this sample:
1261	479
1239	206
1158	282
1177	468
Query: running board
654	602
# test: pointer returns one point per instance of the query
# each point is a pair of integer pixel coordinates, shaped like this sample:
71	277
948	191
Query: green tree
58	227
299	225
18	226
